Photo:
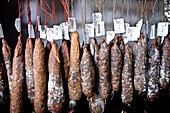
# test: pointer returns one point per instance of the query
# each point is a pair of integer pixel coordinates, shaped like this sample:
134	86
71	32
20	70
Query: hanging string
72	8
92	6
137	10
83	16
128	7
114	9
153	4
53	11
122	9
37	13
106	14
65	4
99	5
47	15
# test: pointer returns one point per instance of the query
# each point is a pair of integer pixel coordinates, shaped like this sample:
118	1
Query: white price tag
125	40
100	29
127	25
133	34
119	26
58	32
152	33
162	39
50	34
1	32
64	28
109	36
31	33
72	24
162	29
42	30
97	17
140	25
89	30
18	24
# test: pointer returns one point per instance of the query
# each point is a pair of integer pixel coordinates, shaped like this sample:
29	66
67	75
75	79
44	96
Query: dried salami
74	79
153	72
6	51
87	73
56	96
140	68
29	69
104	78
65	58
121	44
165	64
96	104
17	79
39	66
116	67
94	50
127	87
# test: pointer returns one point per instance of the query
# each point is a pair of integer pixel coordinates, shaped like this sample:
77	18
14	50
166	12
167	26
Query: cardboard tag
162	29
31	33
152	33
141	26
50	34
64	28
127	25
100	29
133	34
1	32
162	39
125	40
89	30
119	26
71	24
42	30
109	36
58	32
18	24
97	17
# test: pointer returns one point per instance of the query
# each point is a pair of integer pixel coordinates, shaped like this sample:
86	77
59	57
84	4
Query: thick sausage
116	66
104	78
153	72
87	73
56	96
127	87
29	70
74	79
17	79
39	66
165	64
6	51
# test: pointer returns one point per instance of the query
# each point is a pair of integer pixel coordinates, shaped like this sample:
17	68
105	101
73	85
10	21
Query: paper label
89	30
18	24
58	32
152	33
100	29
127	25
125	40
109	36
141	26
119	26
133	34
42	30
1	32
31	33
147	27
50	34
64	28
97	17
162	39
162	29
71	24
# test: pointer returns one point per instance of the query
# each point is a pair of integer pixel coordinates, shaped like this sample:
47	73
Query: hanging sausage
74	80
87	73
94	50
165	64
104	78
39	66
17	79
153	72
127	87
56	96
6	51
116	66
29	69
121	44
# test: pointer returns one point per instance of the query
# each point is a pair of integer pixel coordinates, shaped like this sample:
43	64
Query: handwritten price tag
109	36
18	24
89	30
100	29
119	26
152	33
162	29
31	31
71	24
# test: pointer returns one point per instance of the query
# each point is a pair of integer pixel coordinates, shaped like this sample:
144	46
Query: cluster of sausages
101	71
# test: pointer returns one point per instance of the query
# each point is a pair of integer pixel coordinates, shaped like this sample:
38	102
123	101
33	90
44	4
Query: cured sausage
121	44
17	79
74	79
140	70
116	66
104	78
127	87
165	64
39	66
94	50
56	96
29	69
153	72
6	51
65	58
96	104
87	73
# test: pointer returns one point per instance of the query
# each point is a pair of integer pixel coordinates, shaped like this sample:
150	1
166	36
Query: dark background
8	14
